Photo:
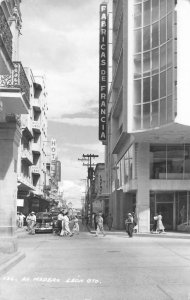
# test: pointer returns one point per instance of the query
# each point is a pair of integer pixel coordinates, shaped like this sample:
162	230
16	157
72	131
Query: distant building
32	154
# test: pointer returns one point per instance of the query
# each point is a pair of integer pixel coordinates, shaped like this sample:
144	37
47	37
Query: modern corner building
148	123
14	100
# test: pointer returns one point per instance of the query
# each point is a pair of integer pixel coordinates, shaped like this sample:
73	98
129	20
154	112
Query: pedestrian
100	225
31	221
129	225
76	225
154	228
109	221
95	221
59	221
18	220
65	226
135	221
22	217
160	226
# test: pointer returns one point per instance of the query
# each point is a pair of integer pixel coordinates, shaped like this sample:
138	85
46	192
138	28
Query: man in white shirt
65	226
31	221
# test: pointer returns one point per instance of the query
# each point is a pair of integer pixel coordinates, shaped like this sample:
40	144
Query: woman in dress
160	226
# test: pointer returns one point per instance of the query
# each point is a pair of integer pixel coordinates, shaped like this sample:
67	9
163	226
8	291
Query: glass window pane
155	10
146	38
154	121
187	161
170	5
137	91
155	61
162	84
162	111
155	87
146	115
137	40
158	152
138	16
175	161
137	116
163	31
146	89
169	82
146	64
146	11
169	53
155	35
137	65
163	58
169	26
162	8
169	109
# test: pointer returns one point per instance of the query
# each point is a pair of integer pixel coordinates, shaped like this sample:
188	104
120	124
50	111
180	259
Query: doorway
166	209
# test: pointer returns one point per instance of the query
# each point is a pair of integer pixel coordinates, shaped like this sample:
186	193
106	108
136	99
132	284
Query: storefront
174	207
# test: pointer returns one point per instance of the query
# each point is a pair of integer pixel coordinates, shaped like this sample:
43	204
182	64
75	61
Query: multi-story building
32	162
14	100
148	140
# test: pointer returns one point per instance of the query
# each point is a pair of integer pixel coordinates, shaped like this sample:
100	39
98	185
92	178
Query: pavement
114	267
9	260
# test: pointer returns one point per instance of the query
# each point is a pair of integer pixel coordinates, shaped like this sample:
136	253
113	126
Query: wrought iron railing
5	33
17	79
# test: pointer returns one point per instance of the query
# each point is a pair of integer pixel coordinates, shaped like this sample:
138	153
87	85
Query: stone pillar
143	190
9	141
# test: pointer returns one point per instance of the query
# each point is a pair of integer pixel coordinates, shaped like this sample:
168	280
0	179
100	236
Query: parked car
44	222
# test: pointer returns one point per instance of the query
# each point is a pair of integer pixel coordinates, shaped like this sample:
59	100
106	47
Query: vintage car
44	222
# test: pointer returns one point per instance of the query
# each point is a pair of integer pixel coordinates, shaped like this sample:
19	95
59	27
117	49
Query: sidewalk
9	260
169	234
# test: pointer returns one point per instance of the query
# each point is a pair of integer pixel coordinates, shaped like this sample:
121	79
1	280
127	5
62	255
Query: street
86	267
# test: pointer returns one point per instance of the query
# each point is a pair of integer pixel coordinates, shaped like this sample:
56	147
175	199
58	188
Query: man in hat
100	225
129	224
31	221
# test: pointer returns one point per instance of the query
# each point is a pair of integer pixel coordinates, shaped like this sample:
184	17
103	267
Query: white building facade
148	140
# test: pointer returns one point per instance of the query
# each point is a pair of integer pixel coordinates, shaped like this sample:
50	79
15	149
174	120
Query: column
9	141
143	192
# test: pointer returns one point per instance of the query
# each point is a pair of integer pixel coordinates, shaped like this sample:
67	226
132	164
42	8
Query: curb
11	262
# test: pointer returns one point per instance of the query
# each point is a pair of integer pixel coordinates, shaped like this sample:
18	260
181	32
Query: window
138	16
137	91
137	38
155	85
146	64
146	89
146	38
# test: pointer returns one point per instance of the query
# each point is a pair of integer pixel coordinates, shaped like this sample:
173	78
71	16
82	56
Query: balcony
36	126
15	91
35	170
24	183
36	148
26	156
5	45
36	104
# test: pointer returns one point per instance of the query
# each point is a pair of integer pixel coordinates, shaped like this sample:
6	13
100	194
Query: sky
60	41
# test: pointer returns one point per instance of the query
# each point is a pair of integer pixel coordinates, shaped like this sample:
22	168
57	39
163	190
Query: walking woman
129	225
160	226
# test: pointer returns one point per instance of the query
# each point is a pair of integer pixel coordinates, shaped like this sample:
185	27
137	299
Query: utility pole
88	157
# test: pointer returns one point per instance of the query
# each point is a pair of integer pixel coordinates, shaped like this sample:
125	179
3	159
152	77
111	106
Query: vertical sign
53	158
58	171
103	72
